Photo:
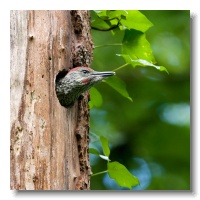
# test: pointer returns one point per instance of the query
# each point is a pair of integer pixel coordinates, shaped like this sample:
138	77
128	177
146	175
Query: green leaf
117	14
114	22
136	50
105	146
93	151
102	14
131	19
119	86
136	20
136	46
141	62
98	22
121	175
95	98
122	27
90	104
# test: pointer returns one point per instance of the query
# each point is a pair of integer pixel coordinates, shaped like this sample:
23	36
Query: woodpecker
77	81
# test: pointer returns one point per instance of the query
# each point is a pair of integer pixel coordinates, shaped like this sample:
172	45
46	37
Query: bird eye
85	71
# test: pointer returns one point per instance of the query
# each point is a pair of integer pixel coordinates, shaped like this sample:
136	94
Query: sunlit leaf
96	11
105	146
136	20
104	157
117	14
141	62
98	22
122	27
121	175
102	14
136	46
114	22
118	85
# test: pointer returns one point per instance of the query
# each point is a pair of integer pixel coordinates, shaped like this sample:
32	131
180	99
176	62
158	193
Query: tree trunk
49	143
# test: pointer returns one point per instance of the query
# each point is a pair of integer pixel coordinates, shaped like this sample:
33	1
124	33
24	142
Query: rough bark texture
49	143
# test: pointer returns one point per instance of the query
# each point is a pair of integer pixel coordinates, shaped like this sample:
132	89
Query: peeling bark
49	143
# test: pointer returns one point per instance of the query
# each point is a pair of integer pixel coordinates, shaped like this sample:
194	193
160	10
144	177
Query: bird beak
103	74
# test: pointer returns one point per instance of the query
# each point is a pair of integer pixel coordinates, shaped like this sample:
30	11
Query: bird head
77	81
85	76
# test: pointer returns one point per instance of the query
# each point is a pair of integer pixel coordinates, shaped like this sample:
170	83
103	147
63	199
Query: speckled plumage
77	81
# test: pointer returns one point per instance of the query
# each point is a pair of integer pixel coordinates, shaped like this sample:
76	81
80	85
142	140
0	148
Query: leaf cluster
135	48
115	170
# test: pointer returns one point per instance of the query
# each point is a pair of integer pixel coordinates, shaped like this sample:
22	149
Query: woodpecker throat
77	81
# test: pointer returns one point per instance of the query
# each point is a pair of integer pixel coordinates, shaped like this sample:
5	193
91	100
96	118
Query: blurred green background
151	135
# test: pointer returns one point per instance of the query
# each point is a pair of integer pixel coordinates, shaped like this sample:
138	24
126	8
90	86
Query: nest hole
61	74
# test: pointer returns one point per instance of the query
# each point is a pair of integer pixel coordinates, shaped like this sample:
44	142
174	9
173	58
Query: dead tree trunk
49	143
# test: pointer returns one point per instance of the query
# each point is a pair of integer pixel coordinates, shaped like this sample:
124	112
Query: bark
49	143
